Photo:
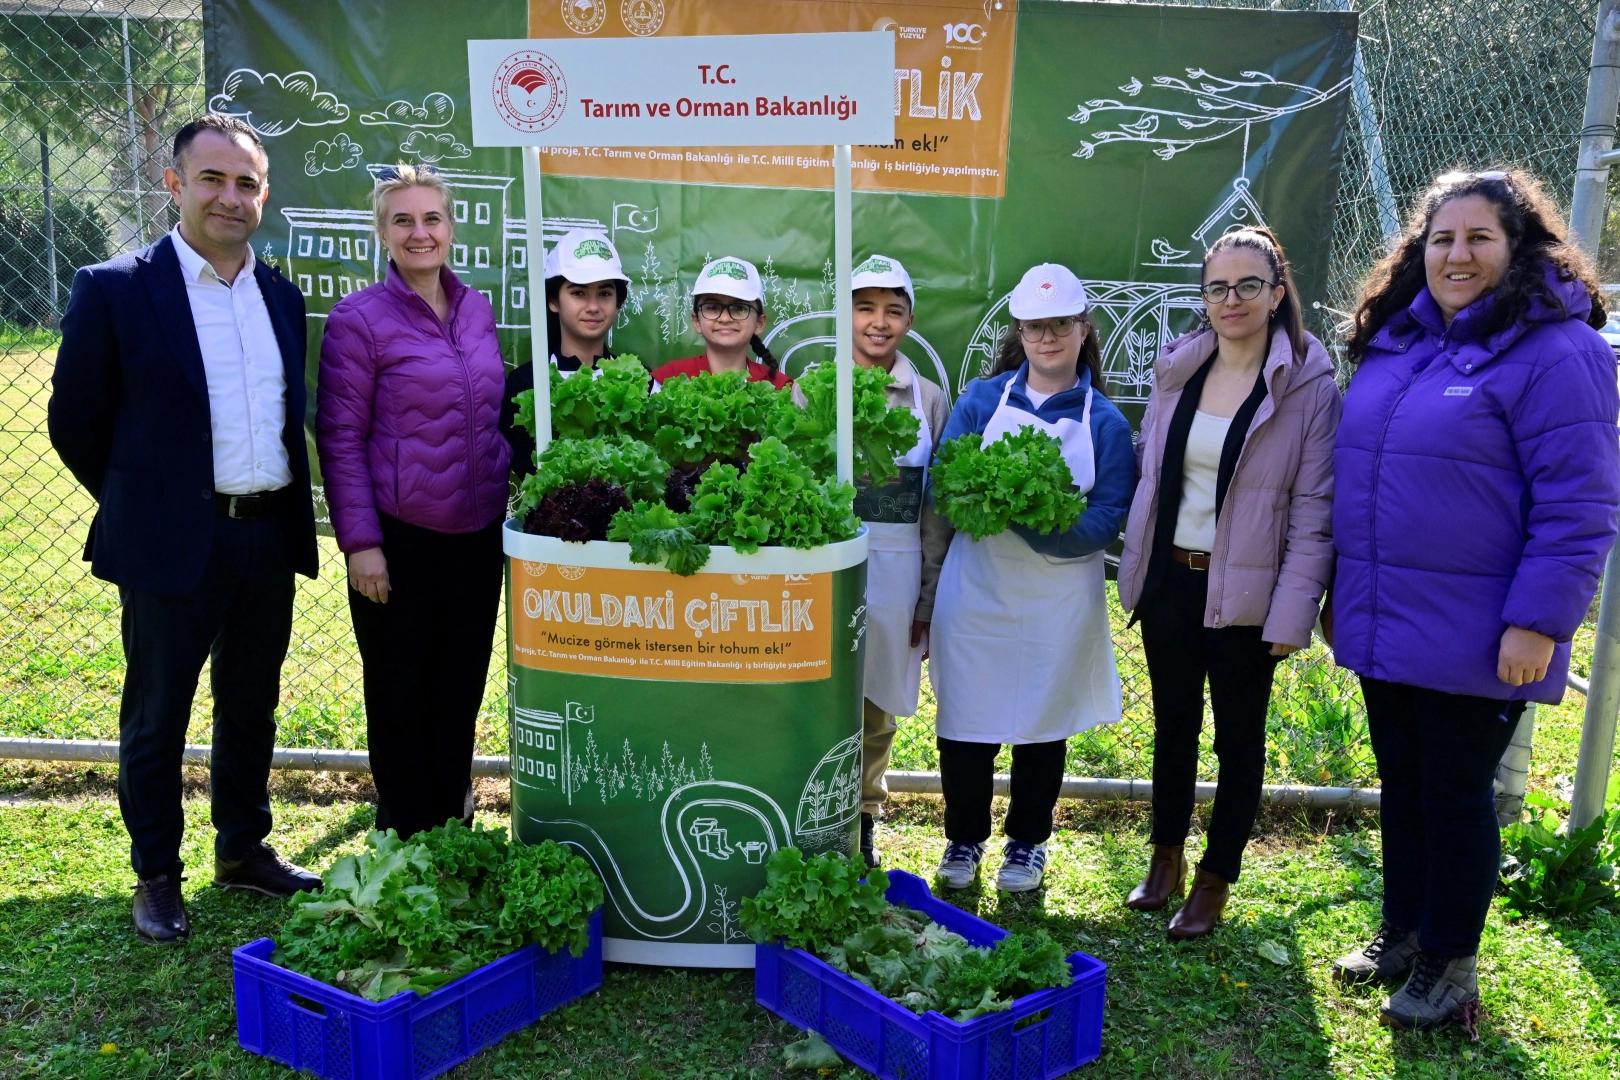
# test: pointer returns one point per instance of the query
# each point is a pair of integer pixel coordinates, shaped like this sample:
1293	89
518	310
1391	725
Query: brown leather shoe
1166	877
160	914
262	870
1203	908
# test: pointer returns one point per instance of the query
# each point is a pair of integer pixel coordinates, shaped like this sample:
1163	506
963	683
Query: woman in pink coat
1227	550
407	428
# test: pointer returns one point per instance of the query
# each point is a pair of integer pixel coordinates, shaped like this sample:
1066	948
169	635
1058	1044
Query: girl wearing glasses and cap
1227	551
585	288
1022	652
907	539
728	312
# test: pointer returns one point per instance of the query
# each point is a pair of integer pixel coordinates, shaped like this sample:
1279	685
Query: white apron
894	574
1022	651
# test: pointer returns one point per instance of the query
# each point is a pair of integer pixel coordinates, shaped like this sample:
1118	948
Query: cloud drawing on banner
429	147
335	156
436	111
275	104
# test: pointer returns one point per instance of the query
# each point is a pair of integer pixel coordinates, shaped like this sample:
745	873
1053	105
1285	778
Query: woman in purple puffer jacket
1477	473
416	479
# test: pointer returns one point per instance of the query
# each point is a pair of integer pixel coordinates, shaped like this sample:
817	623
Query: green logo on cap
730	268
875	265
599	248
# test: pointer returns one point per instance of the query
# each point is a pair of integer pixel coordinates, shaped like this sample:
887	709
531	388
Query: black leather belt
259	504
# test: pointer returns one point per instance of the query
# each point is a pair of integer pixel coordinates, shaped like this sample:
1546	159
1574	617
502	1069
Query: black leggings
425	658
1181	651
967	777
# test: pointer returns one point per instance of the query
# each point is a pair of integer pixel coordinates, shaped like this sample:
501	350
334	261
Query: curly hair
1260	239
1536	237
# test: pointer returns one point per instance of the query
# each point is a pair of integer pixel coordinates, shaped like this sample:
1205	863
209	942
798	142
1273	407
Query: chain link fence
91	92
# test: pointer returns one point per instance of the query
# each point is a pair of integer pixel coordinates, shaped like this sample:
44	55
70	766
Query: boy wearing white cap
728	312
1022	651
585	287
907	538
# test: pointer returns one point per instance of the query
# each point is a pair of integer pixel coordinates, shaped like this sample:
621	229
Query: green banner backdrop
1135	136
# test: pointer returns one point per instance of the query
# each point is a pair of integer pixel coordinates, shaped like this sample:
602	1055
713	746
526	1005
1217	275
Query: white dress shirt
247	384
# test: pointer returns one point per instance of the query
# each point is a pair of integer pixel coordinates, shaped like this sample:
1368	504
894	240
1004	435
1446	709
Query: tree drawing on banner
1203	108
645	780
724	914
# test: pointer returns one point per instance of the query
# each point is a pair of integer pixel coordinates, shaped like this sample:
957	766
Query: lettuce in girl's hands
1020	478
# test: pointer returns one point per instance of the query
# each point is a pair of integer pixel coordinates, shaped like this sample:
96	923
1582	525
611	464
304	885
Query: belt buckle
1195	558
230	510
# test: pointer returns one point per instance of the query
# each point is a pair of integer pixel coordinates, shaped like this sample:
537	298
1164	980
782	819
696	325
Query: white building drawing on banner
1136	319
332	252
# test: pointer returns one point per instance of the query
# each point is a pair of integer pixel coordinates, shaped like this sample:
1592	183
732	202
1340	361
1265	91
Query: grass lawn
80	997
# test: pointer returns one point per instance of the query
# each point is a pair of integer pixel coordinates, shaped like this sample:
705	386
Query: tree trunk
54	310
154	199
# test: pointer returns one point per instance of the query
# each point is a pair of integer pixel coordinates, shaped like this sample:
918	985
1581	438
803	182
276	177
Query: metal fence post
1586	224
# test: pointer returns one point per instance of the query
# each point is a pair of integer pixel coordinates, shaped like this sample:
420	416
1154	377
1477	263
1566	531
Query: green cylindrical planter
679	730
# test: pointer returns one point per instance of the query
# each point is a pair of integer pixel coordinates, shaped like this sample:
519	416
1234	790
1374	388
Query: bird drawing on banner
1164	252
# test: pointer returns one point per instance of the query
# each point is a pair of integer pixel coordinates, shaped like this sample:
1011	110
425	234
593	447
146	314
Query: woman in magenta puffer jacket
1477	471
416	479
1227	551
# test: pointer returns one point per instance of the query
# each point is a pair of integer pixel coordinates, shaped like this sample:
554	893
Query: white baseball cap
882	272
1047	291
584	256
730	276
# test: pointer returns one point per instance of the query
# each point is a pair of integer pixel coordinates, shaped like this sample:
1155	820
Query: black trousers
239	618
1437	756
967	777
1181	653
425	655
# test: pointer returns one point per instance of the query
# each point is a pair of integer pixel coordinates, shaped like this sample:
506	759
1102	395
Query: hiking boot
1436	994
1203	908
960	864
1166	877
1022	867
1387	958
262	870
869	850
160	914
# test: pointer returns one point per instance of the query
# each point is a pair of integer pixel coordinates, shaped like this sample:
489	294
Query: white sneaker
1022	867
960	864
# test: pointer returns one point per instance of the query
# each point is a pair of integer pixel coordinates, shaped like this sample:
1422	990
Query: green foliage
910	959
777	501
815	904
1020	478
658	534
621	461
416	914
1558	874
708	418
881	434
610	403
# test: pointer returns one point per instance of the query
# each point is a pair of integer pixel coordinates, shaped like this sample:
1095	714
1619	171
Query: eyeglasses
713	309
1035	331
1247	289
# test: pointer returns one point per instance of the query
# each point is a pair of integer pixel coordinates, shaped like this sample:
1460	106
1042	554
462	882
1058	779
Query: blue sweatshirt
1109	499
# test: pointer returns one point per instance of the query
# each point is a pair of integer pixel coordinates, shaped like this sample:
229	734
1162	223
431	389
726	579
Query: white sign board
731	90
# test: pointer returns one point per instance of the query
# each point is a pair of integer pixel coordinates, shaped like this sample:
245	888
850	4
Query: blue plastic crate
337	1035
887	1039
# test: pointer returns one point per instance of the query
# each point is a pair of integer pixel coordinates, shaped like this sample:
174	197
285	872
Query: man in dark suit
178	401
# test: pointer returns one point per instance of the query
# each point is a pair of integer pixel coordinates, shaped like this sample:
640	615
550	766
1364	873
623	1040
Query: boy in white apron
907	538
1022	651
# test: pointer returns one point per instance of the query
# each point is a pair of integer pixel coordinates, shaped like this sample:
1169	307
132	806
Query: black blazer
129	417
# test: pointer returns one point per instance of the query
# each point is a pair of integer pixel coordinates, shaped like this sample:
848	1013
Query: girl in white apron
1021	647
907	538
585	287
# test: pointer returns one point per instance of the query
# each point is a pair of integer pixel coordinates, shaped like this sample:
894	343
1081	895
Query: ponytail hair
1287	317
1010	357
772	364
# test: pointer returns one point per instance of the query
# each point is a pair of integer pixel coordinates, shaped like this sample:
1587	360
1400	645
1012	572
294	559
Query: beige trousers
877	739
